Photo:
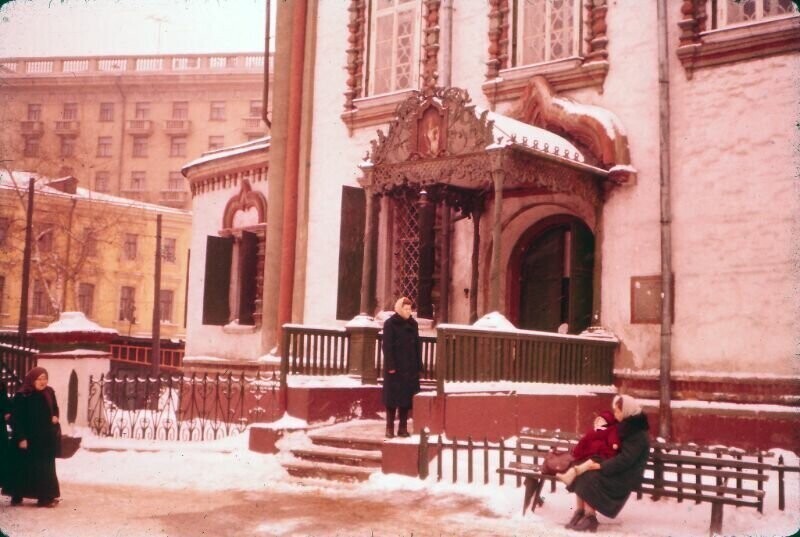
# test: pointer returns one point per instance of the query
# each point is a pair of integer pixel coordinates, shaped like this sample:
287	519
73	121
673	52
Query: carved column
370	248
430	45
597	269
497	234
498	38
476	246
597	40
355	52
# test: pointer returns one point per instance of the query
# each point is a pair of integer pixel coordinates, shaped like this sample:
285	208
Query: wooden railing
140	352
474	355
315	351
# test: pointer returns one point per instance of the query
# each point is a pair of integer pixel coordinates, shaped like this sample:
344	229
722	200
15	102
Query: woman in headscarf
35	440
605	486
5	416
402	365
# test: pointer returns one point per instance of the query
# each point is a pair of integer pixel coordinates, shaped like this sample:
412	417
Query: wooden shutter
581	278
351	252
216	309
248	262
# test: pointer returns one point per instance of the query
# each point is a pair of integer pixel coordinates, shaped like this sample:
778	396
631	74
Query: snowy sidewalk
222	489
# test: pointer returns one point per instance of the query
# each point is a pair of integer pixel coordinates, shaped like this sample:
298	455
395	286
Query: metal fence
177	407
18	355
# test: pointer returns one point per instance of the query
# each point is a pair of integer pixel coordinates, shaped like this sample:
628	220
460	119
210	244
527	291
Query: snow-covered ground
145	488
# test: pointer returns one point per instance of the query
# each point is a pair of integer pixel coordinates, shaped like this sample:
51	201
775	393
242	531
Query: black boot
403	429
390	413
588	523
574	520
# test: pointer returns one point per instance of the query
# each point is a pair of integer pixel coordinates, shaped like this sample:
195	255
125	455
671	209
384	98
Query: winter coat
401	354
598	444
608	489
33	472
5	445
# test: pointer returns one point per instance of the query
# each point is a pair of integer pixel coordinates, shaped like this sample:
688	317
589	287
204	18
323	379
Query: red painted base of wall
262	439
502	415
315	404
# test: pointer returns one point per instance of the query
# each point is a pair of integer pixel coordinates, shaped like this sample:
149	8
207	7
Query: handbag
556	462
66	446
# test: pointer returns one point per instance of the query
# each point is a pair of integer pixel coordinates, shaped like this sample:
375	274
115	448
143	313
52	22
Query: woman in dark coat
35	440
402	365
605	486
5	416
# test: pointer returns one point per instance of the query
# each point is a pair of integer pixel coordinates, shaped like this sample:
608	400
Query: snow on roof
21	180
536	137
73	321
258	144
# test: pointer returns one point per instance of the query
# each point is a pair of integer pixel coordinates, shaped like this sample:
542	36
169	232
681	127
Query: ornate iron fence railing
18	354
473	355
176	407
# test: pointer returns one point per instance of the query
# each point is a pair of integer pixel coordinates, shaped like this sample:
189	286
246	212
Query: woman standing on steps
35	441
402	365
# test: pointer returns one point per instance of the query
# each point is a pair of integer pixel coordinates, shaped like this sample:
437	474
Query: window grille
406	249
732	13
547	30
395	46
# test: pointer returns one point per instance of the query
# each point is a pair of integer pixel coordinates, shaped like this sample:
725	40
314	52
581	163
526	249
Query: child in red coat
601	442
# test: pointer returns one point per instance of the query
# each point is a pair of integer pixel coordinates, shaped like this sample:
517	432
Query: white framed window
127	304
40	301
546	30
139	147
165	299
138	180
106	111
217	111
86	298
130	246
168	249
70	112
395	44
733	13
256	108
177	146
141	110
180	110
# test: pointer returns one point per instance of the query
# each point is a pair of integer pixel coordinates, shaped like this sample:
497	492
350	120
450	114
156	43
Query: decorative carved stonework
355	52
698	48
228	179
430	44
589	69
244	200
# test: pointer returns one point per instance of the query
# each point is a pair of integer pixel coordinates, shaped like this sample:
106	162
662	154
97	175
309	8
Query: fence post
362	332
422	454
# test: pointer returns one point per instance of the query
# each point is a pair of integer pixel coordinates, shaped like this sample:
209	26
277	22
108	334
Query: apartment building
125	125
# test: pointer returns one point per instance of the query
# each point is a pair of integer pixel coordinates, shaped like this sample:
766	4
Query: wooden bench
719	476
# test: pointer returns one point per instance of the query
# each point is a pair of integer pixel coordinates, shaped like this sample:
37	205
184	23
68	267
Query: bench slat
683	485
706	471
702	497
708	461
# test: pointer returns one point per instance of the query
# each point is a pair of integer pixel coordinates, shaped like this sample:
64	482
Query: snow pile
73	321
495	321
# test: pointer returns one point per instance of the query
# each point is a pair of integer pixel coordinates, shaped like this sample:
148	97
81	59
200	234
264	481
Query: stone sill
566	74
374	110
738	43
236	328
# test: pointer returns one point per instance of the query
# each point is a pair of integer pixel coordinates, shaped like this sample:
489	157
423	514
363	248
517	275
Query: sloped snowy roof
73	321
21	180
259	144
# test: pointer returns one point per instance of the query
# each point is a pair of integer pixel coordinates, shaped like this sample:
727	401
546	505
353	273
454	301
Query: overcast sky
103	27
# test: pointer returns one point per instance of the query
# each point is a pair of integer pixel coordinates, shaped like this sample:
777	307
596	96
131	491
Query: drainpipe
291	175
665	412
265	93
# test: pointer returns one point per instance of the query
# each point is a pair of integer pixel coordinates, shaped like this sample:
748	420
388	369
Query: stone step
337	455
362	443
323	470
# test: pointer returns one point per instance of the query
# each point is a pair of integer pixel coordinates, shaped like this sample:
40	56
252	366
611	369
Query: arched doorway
552	271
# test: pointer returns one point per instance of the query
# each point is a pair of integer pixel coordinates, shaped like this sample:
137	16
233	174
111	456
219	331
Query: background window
177	146
547	30
106	111
31	148
256	108
395	45
215	142
40	301
70	112
34	112
129	246
86	298
175	181
180	110
101	180
217	112
731	12
139	146
165	301
104	146
168	249
67	146
127	304
45	239
141	110
137	180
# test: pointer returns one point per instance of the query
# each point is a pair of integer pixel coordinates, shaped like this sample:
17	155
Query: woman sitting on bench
605	486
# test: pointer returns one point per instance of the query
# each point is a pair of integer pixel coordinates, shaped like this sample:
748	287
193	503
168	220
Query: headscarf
630	407
402	301
28	387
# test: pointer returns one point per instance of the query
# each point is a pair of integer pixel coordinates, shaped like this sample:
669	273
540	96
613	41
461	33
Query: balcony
67	128
139	127
175	127
174	198
32	128
139	195
253	126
